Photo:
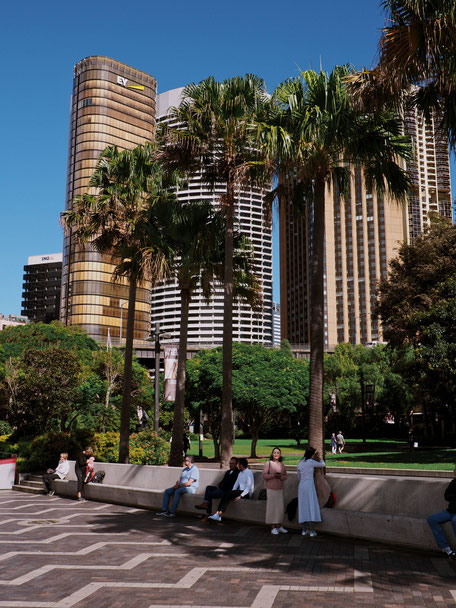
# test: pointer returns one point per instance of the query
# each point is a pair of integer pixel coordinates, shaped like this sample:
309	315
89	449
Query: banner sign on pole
169	389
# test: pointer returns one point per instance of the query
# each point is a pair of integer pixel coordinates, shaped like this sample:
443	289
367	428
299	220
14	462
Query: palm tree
417	49
313	135
214	135
125	219
198	238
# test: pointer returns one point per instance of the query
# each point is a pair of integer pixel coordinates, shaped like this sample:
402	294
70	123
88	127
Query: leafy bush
5	428
106	446
147	448
46	449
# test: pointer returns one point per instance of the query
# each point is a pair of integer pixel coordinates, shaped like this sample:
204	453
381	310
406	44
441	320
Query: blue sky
177	42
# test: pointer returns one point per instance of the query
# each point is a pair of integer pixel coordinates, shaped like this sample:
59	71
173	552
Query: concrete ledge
372	507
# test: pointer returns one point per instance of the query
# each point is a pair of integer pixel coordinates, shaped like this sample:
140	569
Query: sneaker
215	517
312	533
160	513
170	514
305	532
282	530
275	531
449	552
51	492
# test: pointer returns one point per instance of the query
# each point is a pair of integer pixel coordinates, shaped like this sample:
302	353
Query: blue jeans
211	493
177	494
440	518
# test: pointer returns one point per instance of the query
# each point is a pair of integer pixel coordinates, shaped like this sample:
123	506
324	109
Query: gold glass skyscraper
111	104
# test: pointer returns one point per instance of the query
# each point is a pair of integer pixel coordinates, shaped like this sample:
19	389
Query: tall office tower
362	234
111	104
430	171
276	334
206	320
42	282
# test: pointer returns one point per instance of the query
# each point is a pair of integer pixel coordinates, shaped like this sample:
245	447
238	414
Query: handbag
262	494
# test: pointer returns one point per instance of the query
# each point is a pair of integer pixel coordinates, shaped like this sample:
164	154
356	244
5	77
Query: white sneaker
275	531
215	517
312	533
305	532
282	530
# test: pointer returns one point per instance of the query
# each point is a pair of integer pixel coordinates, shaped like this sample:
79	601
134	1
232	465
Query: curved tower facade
111	104
206	320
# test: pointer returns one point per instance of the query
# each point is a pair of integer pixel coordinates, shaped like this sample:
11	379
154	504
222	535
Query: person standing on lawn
437	519
274	474
333	443
308	507
340	442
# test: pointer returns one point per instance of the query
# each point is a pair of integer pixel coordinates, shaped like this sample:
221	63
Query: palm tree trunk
177	444
126	389
316	438
226	430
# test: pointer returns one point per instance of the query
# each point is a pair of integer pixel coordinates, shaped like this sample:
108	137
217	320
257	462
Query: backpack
98	477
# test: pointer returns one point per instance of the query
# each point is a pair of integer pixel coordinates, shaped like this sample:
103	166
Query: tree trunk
253	444
226	429
216	448
177	444
126	389
316	436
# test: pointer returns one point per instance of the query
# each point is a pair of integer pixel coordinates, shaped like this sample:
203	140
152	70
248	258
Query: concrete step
28	489
32	484
34	478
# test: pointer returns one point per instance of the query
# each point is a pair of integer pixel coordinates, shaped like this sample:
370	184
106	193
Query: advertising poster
169	390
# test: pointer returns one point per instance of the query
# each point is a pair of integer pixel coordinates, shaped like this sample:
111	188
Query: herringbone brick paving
57	553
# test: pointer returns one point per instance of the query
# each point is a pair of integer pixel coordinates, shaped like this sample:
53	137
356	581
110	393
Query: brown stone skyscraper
363	233
111	104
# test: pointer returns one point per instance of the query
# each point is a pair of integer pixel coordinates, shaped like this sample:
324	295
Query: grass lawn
375	453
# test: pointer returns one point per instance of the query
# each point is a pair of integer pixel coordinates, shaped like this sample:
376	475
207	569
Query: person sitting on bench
225	485
243	488
60	473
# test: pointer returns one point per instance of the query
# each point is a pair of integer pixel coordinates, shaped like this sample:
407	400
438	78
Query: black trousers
47	478
228	497
80	474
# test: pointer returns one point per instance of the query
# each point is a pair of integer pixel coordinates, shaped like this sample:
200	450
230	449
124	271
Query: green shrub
106	446
148	448
5	428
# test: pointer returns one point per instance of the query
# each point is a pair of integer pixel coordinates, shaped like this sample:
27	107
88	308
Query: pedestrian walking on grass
274	474
437	519
333	443
308	507
340	442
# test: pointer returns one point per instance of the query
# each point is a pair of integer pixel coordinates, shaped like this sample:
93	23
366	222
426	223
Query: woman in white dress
308	507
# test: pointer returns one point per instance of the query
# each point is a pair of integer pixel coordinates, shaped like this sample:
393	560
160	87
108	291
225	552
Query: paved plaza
60	553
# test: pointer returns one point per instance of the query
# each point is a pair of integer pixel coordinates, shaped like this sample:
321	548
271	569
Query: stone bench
383	508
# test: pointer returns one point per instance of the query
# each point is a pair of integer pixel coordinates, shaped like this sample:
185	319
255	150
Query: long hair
309	453
280	457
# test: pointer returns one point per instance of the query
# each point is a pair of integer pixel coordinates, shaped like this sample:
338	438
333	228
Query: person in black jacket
226	485
449	514
80	466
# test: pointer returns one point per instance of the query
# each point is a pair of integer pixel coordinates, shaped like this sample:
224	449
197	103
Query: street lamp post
157	378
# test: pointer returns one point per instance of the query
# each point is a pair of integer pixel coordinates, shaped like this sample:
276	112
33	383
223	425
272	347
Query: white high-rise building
276	333
206	320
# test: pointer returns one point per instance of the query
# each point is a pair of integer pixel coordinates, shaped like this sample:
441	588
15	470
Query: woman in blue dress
308	507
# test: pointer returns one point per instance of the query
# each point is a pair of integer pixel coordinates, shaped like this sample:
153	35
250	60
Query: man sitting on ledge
187	483
226	485
449	514
243	488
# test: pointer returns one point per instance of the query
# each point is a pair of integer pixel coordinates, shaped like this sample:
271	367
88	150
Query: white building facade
206	320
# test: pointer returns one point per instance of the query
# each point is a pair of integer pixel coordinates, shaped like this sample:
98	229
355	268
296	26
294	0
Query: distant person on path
333	443
59	473
274	474
80	468
308	507
243	488
186	484
340	442
225	485
186	443
437	519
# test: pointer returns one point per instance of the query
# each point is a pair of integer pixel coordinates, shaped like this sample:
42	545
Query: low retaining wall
376	507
